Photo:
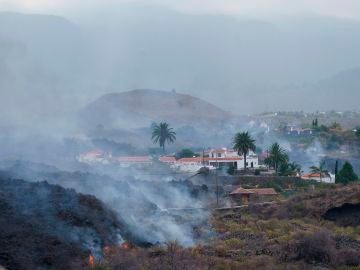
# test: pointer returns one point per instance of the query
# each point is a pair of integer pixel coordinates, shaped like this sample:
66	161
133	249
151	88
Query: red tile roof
226	158
167	159
241	191
193	159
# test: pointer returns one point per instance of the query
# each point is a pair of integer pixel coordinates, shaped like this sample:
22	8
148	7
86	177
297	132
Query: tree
346	174
243	144
185	153
320	170
357	132
277	156
336	126
162	133
336	170
289	169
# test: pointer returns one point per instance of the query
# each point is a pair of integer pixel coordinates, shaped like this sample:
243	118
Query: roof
224	158
241	191
193	159
201	159
259	191
93	154
167	159
317	175
140	159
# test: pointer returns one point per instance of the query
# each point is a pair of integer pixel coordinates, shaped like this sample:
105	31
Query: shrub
346	174
315	247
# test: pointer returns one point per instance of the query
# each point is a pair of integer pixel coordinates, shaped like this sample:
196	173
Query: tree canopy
277	156
243	144
346	174
162	133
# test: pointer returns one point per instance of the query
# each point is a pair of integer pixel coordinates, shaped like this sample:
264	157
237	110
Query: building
325	177
193	164
167	159
241	196
95	157
296	131
134	161
224	157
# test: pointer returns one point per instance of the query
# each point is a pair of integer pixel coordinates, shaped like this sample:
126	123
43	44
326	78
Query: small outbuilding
242	196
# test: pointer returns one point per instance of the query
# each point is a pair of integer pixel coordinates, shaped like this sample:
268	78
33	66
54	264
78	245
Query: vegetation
185	153
289	169
243	144
286	235
277	156
163	133
346	174
319	170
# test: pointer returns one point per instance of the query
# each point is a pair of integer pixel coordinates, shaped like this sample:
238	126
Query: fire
125	245
91	261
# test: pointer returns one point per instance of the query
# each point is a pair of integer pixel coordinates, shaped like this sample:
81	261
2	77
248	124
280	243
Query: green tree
277	156
357	132
336	126
320	170
346	174
289	169
336	170
185	153
162	133
243	144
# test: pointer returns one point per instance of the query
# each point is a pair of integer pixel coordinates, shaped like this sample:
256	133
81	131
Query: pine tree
346	174
336	169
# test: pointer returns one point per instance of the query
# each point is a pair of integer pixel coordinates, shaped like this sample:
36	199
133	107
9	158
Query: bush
314	248
348	258
346	174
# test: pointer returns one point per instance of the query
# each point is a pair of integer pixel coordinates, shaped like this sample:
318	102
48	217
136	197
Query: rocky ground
45	226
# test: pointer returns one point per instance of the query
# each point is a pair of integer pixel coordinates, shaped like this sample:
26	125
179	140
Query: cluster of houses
293	130
211	159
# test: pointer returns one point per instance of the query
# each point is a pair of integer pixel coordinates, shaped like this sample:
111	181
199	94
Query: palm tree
320	170
243	144
290	169
162	133
277	156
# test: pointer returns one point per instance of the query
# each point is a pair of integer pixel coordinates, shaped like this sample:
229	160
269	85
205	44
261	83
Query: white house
216	158
95	157
325	177
225	157
193	164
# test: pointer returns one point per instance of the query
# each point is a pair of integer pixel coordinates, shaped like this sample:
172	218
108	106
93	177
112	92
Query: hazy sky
73	8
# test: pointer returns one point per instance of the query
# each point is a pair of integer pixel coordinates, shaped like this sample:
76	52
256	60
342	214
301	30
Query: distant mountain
348	80
339	92
50	66
139	108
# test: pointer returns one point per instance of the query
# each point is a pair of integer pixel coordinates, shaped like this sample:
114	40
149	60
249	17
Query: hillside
45	226
139	108
298	234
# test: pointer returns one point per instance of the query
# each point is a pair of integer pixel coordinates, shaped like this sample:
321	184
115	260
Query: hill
139	108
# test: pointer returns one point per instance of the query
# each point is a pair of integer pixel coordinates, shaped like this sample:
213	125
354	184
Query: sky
265	52
349	9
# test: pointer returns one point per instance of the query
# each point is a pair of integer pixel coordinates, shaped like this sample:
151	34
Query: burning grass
247	238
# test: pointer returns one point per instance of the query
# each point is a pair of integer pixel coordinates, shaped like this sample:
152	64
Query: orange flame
125	245
91	261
